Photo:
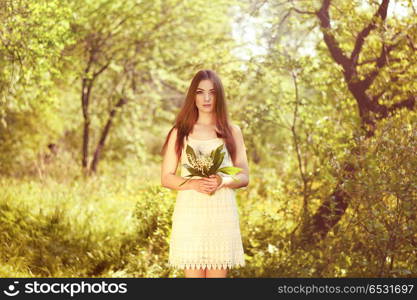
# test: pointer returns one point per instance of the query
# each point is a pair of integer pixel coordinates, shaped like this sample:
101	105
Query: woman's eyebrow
204	89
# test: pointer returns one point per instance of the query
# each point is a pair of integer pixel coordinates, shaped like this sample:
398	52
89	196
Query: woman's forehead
205	84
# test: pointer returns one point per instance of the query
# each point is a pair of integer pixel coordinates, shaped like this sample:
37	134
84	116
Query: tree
371	54
375	60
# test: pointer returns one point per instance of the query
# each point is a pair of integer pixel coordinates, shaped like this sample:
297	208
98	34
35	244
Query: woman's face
205	98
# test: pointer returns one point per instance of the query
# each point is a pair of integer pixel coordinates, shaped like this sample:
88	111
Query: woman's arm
169	167
241	161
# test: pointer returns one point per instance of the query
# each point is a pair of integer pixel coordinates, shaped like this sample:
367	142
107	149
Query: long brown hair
188	115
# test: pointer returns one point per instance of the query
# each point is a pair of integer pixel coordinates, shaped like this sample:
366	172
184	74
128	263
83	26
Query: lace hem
191	265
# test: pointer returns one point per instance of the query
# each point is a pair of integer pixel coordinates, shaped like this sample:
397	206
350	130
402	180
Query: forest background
324	92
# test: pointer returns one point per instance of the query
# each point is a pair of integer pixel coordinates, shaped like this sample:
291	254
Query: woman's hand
207	185
218	180
213	182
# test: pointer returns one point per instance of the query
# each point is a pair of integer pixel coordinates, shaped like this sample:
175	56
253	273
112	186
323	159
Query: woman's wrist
226	180
190	184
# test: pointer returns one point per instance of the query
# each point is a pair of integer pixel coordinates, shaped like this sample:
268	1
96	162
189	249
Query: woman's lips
206	105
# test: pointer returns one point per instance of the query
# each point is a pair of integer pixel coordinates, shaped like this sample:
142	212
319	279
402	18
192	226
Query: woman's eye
198	92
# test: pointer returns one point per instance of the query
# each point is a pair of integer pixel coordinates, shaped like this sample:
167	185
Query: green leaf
212	154
217	159
192	171
220	148
215	154
189	150
217	164
230	170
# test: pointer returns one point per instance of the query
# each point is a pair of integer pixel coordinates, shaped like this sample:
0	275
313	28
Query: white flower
201	162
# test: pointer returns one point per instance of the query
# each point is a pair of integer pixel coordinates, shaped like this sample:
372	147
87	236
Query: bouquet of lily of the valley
206	165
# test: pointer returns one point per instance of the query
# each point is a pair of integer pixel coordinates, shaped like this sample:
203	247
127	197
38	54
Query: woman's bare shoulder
174	132
236	129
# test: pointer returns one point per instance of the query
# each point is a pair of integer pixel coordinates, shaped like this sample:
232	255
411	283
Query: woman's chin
206	110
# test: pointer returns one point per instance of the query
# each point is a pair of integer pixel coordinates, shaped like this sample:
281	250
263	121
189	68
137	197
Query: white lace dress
205	228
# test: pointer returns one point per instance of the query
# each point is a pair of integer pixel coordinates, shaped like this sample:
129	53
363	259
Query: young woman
205	238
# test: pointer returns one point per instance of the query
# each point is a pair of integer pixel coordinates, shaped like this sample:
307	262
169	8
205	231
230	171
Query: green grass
114	226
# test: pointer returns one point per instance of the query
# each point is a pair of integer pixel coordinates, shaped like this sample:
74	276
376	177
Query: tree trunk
104	134
86	87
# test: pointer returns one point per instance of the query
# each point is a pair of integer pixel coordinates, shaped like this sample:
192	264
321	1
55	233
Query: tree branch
381	61
303	11
408	103
329	39
360	39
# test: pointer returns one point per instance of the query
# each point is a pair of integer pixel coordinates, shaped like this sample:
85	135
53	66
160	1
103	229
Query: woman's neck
207	119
